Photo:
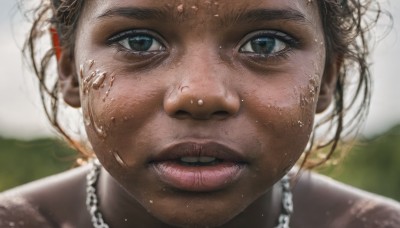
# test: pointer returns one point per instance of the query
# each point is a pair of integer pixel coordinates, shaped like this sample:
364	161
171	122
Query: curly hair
346	23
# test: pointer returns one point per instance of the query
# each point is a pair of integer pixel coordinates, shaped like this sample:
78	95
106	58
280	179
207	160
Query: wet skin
235	80
239	81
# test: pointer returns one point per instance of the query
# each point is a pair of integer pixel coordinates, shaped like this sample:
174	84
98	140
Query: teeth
190	159
207	159
203	159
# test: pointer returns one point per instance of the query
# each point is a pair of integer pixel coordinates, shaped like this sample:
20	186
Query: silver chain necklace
92	202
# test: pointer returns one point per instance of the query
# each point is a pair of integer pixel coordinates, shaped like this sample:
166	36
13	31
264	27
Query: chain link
287	203
92	203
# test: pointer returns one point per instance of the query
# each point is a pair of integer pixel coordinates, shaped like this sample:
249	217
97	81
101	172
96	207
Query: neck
120	209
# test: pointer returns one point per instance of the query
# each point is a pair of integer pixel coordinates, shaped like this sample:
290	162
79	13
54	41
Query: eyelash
280	37
121	41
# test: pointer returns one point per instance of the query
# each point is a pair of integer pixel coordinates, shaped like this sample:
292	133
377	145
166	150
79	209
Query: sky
21	115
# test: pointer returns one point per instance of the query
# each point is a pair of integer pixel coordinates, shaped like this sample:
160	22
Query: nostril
221	114
181	114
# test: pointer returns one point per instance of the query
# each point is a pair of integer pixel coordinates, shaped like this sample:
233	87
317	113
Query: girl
196	110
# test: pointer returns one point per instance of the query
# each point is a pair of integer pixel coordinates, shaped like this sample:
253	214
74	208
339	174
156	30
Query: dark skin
247	75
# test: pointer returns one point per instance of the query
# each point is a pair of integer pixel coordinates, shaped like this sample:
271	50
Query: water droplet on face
91	63
118	158
81	71
179	8
112	80
151	201
100	131
200	102
98	81
195	8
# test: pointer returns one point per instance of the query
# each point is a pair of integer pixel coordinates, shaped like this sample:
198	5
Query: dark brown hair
346	25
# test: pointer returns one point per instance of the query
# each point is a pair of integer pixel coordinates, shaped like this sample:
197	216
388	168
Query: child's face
233	80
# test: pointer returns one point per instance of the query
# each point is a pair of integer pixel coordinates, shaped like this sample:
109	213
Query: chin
192	217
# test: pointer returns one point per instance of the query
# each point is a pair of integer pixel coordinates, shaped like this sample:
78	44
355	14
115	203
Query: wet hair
346	23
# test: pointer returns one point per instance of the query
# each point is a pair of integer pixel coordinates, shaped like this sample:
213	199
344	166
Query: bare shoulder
44	203
334	204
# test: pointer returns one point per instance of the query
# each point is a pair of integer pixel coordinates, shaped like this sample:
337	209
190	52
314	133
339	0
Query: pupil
140	43
263	45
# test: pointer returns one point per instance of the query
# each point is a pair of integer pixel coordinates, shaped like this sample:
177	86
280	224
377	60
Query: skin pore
241	77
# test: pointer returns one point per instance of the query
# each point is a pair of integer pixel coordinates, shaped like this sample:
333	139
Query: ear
328	83
68	79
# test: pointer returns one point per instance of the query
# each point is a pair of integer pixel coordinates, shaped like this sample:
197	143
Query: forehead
189	10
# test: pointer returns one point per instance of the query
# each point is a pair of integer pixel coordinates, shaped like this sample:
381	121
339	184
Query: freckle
179	8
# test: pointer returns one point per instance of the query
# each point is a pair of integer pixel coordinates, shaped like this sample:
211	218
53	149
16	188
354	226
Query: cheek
283	111
115	107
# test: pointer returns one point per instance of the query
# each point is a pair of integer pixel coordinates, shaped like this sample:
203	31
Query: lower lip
198	178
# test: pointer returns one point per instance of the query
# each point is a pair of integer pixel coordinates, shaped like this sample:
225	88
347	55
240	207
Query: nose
202	94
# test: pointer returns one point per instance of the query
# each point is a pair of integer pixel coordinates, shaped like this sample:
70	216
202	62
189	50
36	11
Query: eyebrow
135	13
253	15
269	15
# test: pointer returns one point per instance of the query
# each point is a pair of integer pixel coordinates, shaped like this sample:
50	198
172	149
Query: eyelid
282	36
134	32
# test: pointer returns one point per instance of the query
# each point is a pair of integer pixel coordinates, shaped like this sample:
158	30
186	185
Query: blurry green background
372	164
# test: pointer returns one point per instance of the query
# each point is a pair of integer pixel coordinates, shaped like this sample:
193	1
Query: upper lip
198	149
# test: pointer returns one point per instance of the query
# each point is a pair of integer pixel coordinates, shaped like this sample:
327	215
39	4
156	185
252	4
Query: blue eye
264	45
137	42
